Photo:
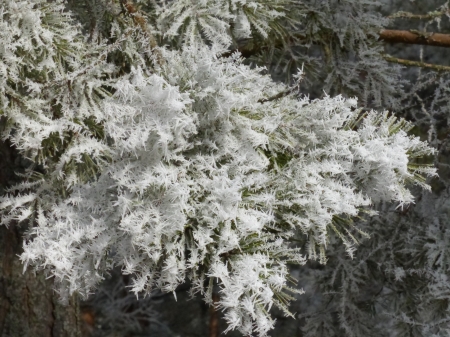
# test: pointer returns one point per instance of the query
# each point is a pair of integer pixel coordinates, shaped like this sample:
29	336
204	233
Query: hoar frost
190	169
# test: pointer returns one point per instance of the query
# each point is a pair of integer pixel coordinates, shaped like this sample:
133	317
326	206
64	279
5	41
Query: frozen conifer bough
185	164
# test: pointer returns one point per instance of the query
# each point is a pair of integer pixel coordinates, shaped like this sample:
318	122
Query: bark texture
28	305
386	35
415	37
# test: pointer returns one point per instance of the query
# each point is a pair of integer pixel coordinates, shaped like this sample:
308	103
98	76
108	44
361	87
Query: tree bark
413	37
386	35
28	305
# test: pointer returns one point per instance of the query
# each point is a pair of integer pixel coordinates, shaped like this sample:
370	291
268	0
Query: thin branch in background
429	16
410	63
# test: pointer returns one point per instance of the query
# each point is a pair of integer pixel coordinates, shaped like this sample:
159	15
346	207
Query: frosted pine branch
181	164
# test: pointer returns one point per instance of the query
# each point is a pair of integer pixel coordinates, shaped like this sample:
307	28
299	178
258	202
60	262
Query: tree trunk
28	305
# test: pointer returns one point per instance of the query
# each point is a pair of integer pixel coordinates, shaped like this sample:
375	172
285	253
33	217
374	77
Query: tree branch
428	16
416	63
415	37
251	48
277	96
386	35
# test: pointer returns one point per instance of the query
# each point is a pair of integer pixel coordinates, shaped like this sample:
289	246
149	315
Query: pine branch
415	37
416	63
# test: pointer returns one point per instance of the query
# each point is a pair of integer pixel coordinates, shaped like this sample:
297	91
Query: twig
428	16
214	317
277	96
416	63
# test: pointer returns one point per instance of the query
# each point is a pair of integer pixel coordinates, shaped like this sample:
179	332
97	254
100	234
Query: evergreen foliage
156	149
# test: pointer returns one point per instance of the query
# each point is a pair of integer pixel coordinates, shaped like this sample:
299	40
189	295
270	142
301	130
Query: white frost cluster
196	168
218	21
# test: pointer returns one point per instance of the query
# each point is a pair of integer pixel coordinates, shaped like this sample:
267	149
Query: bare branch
415	37
387	35
416	63
428	16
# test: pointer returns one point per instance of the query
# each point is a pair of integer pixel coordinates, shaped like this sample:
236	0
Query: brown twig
214	317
